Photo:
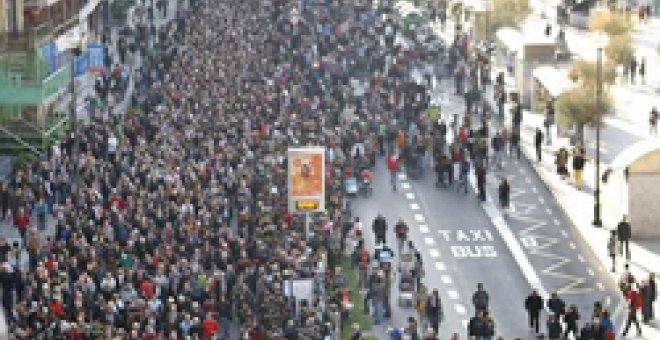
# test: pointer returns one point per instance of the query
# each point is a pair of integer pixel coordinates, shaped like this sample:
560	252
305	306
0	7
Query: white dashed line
535	191
600	286
410	196
556	222
434	253
424	229
405	185
453	294
460	309
402	176
541	200
581	258
528	180
440	266
419	217
608	301
465	323
572	245
591	272
549	211
446	279
429	241
414	206
564	233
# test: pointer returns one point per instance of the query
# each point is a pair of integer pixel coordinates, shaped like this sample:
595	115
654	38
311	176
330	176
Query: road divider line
429	241
414	206
440	266
424	229
434	253
410	195
452	294
460	309
446	279
419	217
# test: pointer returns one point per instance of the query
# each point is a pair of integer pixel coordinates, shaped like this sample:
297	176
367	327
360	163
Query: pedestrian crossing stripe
440	266
446	279
434	253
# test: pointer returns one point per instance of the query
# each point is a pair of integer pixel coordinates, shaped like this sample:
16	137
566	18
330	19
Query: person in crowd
533	306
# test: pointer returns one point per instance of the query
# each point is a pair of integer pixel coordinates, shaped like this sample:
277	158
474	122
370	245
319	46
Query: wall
2	16
644	191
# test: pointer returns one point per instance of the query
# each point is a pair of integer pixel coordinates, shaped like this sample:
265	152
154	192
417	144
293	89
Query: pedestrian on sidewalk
642	70
578	166
562	163
481	183
623	234
533	306
549	121
633	69
5	197
557	306
654	292
538	143
646	293
611	249
653	121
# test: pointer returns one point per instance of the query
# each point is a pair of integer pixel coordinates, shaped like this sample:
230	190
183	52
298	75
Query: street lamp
600	43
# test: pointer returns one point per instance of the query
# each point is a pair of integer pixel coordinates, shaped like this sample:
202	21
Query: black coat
534	304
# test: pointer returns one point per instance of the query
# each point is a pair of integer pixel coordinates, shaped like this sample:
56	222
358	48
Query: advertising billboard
306	179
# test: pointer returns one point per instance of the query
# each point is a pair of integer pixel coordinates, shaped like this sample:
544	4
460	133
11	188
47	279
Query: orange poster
306	173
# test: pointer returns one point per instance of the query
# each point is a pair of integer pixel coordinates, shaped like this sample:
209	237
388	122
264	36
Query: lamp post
597	222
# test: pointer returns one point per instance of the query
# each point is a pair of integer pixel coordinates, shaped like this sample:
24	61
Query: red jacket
210	327
22	221
634	297
392	163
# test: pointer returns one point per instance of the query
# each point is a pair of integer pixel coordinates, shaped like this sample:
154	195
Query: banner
306	179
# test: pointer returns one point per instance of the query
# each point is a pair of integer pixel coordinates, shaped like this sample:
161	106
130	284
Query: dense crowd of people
170	221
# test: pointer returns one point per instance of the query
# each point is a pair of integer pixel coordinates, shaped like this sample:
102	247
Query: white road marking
440	266
548	210
424	229
564	233
556	222
535	191
429	241
600	286
410	196
453	294
414	206
460	309
434	253
541	200
465	323
512	207
405	185
446	279
608	301
581	258
591	272
572	245
528	180
419	217
402	176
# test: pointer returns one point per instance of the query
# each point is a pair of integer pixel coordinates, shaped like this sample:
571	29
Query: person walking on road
653	292
571	319
623	234
554	327
434	312
504	193
633	69
634	300
401	231
480	298
392	166
538	143
481	183
556	305
379	227
534	305
645	290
